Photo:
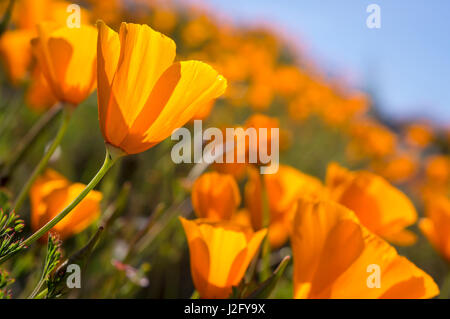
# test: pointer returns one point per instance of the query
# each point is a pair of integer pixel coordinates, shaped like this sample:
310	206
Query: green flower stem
6	17
266	271
29	138
110	159
107	164
44	161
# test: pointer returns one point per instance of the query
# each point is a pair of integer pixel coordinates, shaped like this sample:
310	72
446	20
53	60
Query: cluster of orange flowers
336	228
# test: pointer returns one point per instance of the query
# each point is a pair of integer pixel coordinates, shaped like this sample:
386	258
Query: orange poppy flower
288	80
215	196
283	189
419	135
262	143
220	253
142	95
15	52
260	95
438	169
336	257
29	13
164	20
39	96
380	207
15	46
370	138
398	168
67	58
242	217
436	224
51	193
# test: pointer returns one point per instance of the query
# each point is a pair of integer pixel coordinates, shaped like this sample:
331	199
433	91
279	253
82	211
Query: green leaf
52	260
10	224
5	281
6	17
55	283
267	287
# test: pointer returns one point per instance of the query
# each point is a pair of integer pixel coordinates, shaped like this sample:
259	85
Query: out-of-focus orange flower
282	190
381	208
260	50
263	142
238	170
142	95
260	95
39	96
164	20
15	52
397	169
205	111
288	80
67	58
436	224
51	193
242	217
198	31
301	107
15	46
29	13
215	196
220	253
336	257
109	11
370	138
438	169
419	135
339	109
233	66
260	121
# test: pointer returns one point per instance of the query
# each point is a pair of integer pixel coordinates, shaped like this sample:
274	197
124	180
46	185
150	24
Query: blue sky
406	61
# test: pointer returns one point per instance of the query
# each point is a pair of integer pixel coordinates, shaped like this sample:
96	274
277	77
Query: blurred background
405	63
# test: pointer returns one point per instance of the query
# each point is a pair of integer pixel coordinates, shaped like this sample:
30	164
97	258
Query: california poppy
15	46
39	96
15	52
51	193
67	58
380	207
142	95
283	190
437	169
336	257
419	135
220	253
436	224
215	196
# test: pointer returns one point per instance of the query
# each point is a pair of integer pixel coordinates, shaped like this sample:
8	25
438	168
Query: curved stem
6	17
107	164
44	161
37	288
265	253
25	143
